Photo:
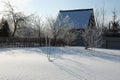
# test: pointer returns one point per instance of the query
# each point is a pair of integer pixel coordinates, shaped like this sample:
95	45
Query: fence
6	42
112	42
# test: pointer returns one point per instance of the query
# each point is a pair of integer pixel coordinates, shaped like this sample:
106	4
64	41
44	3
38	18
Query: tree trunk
54	43
86	46
15	28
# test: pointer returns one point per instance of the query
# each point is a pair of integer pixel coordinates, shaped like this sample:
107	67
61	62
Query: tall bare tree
16	17
60	28
48	37
38	23
100	17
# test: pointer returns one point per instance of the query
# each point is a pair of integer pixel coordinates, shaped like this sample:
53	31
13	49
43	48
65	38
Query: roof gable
80	18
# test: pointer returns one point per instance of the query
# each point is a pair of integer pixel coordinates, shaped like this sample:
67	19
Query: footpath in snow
67	63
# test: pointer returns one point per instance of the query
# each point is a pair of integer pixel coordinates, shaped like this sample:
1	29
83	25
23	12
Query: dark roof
79	17
76	10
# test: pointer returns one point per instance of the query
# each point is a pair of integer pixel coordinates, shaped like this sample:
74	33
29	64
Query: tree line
33	26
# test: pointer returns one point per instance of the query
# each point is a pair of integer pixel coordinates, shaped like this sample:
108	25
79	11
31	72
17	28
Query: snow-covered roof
80	18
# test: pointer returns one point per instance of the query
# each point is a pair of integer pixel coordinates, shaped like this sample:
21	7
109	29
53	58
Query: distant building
81	19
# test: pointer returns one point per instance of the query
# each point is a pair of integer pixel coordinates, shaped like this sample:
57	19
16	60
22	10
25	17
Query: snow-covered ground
67	63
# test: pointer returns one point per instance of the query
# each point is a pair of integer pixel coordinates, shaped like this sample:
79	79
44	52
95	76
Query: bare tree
16	17
38	23
60	29
48	36
92	37
66	28
103	16
100	17
51	29
115	23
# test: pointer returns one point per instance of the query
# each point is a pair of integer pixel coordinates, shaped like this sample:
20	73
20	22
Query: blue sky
52	7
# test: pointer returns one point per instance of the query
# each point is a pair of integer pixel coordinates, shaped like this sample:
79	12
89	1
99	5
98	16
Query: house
81	19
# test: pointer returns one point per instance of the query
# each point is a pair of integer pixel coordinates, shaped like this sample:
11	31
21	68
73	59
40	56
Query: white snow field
67	63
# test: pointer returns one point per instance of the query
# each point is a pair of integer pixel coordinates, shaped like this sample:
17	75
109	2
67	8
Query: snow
67	63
